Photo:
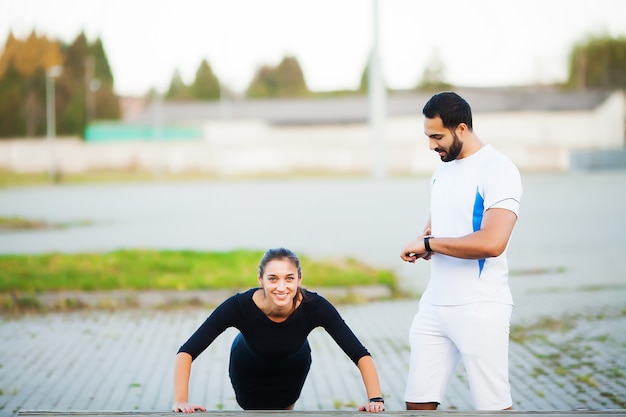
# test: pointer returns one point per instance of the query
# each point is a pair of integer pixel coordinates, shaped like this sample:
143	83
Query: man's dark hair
451	108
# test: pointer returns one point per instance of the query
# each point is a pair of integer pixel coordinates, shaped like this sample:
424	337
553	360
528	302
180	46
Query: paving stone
123	361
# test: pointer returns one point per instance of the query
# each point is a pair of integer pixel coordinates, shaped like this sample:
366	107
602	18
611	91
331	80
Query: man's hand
415	250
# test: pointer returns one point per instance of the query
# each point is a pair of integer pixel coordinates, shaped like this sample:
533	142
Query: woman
271	357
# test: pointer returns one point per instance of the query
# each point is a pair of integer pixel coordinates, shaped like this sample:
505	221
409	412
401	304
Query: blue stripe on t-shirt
477	219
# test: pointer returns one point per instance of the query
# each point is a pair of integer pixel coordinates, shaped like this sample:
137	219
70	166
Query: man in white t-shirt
465	311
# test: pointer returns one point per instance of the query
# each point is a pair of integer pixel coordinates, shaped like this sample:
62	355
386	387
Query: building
540	130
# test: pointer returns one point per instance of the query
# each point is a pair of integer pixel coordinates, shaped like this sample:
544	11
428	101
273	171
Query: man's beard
454	151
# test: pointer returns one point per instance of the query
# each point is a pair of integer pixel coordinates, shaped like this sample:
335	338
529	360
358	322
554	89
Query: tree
29	55
23	68
263	84
103	102
434	75
284	80
34	105
178	89
7	59
290	78
12	120
598	62
70	88
363	85
206	86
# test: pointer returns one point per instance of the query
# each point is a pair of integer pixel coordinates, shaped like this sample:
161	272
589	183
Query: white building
539	130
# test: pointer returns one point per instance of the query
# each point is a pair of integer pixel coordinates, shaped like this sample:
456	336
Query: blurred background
323	92
304	87
327	94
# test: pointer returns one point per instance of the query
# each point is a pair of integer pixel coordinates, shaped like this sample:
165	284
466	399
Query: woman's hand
373	407
182	407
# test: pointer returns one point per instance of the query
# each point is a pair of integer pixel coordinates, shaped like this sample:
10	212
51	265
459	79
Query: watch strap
427	243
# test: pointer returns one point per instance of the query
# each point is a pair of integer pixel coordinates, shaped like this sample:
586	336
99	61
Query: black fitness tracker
427	244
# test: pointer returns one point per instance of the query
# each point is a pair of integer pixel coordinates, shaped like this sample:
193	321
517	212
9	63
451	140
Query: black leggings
267	383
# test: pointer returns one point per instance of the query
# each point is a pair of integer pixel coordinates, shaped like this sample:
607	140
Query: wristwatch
427	244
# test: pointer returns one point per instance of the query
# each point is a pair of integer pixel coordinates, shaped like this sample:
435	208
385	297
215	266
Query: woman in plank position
270	358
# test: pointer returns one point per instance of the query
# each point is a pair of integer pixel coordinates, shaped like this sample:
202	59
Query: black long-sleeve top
270	339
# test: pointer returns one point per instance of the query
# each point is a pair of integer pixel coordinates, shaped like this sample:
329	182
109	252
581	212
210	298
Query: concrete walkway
568	348
438	413
122	361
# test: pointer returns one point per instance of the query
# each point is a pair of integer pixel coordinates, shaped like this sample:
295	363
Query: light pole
377	105
51	74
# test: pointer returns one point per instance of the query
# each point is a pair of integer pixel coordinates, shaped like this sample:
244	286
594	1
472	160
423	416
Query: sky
480	42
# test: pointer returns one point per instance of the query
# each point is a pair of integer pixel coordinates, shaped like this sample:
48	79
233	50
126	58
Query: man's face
442	140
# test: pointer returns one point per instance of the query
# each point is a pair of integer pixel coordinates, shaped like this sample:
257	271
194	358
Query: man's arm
490	241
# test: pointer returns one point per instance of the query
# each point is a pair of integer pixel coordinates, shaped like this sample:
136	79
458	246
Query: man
465	311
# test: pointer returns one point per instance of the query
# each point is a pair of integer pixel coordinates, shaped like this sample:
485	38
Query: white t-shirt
461	191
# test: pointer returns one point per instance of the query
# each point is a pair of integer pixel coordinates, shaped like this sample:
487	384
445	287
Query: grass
25	278
15	179
168	270
19	223
572	357
522	334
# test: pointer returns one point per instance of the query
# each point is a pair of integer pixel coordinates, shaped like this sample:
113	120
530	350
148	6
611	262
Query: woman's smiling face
280	281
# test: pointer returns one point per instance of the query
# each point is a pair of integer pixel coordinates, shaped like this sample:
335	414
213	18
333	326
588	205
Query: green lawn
14	179
22	277
168	270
